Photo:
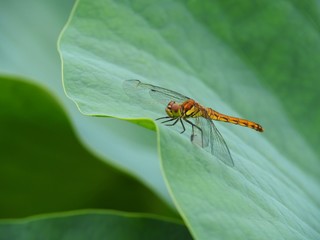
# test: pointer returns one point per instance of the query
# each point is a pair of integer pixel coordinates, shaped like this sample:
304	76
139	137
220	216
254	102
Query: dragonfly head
174	110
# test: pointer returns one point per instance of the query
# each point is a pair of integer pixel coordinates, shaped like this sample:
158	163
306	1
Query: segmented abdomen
214	115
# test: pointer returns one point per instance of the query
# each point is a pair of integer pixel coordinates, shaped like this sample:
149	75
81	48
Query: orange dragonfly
184	109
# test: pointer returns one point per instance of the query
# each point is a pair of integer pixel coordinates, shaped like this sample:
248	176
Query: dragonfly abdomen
214	115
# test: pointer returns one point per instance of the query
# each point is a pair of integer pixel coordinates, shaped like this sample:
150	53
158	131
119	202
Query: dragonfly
182	109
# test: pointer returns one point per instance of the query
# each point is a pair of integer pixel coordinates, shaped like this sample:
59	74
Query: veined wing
200	137
219	147
211	140
160	94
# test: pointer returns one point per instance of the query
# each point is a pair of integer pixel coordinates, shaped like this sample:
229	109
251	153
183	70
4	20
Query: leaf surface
273	190
92	225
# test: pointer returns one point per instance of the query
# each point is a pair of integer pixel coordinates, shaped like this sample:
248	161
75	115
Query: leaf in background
44	168
273	190
28	48
92	225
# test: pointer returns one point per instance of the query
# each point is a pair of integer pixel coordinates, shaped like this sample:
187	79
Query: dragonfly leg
166	117
172	124
192	134
175	122
184	129
195	126
169	120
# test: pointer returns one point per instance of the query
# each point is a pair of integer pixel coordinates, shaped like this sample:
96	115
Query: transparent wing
160	94
218	146
207	136
200	134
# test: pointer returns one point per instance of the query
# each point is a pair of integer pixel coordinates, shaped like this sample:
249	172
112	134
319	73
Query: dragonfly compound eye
173	109
173	106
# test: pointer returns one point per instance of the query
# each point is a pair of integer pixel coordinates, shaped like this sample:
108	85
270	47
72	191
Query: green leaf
43	166
273	190
35	57
92	225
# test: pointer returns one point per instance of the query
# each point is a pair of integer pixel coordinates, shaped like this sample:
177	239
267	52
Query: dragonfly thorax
174	110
